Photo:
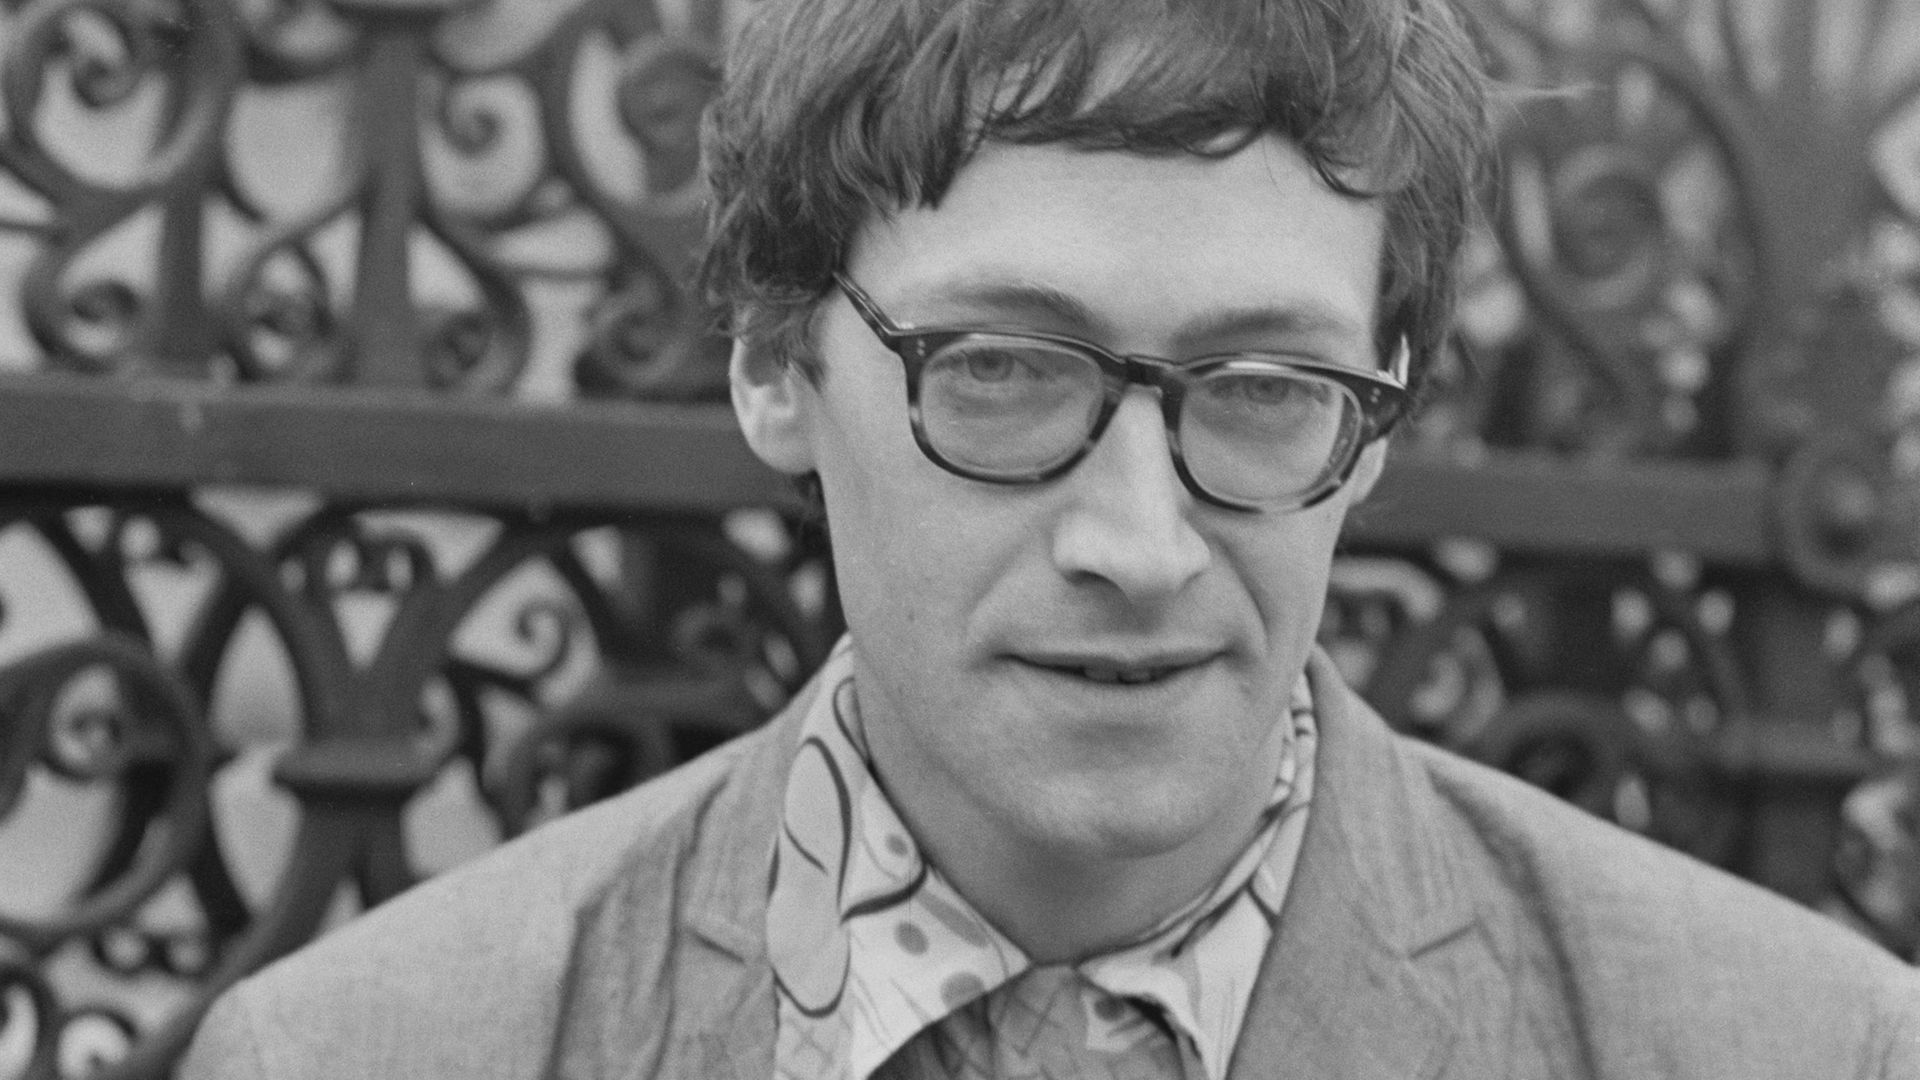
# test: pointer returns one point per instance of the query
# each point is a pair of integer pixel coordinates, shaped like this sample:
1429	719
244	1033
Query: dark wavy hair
836	110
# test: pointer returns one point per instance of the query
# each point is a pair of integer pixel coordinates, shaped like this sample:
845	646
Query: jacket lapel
1350	987
696	1001
731	989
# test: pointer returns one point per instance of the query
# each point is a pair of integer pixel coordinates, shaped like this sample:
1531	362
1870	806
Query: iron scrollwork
532	665
1604	685
287	223
1702	252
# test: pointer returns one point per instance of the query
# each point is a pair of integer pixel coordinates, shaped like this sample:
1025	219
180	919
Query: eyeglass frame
1381	396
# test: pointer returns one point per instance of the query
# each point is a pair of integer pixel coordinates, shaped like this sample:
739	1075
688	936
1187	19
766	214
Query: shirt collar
870	944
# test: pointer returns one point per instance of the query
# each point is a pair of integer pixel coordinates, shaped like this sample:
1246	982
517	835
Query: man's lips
1118	668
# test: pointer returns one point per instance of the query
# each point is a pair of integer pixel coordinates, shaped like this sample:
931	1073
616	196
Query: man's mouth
1130	676
1117	672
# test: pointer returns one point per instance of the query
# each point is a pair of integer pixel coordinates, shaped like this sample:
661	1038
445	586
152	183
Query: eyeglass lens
1006	406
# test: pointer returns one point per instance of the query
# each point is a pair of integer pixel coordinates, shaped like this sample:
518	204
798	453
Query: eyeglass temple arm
1399	368
864	307
1400	364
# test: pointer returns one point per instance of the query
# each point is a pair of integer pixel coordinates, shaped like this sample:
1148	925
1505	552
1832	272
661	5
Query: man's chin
1129	822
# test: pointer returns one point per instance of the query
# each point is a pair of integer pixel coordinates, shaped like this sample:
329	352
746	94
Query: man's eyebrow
1025	301
1291	320
1017	299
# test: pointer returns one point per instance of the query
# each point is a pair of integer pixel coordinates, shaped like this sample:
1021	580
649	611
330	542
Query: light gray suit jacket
1446	921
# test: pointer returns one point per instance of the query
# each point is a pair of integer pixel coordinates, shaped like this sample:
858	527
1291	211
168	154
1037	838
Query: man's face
989	622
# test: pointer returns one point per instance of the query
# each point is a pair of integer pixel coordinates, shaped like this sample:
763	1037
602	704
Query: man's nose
1129	520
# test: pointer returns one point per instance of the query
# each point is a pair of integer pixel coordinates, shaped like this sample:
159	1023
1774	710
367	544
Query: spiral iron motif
1849	515
649	336
1628	229
146	735
137	44
283	321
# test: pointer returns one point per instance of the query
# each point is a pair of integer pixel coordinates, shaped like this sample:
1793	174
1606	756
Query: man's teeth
1122	675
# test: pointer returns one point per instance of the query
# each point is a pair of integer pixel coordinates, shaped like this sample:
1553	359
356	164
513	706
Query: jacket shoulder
465	974
1651	958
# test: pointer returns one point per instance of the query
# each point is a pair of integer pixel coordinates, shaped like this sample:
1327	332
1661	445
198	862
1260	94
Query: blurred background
368	495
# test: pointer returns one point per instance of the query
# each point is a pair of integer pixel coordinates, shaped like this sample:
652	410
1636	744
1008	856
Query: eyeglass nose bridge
1124	370
1163	376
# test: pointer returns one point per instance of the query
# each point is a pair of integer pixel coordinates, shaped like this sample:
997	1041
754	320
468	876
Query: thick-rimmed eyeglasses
1248	431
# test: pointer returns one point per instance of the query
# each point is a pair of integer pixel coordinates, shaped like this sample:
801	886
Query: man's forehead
1249	245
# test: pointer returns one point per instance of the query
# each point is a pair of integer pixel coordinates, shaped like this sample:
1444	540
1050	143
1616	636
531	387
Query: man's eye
1004	367
998	366
1267	391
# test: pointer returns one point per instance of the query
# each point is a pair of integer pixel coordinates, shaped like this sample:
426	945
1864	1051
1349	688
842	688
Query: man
1088	317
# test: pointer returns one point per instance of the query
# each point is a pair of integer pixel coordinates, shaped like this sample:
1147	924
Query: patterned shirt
881	969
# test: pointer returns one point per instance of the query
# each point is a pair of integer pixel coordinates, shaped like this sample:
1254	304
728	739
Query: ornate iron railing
365	494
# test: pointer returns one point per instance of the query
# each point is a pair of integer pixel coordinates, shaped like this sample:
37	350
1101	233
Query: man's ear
1367	470
768	398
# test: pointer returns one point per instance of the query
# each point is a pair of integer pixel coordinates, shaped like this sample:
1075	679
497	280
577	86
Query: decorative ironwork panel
467	197
248	733
1695	309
